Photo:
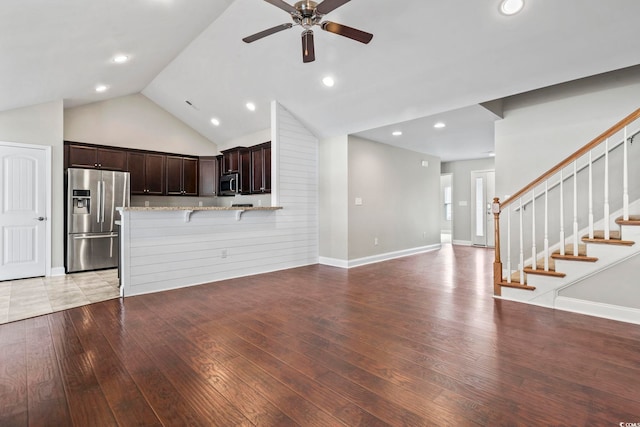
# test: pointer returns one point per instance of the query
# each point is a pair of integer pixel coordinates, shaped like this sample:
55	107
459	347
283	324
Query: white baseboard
57	271
608	311
462	242
334	262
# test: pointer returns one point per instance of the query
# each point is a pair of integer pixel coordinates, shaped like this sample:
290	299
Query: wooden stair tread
517	285
569	256
541	271
614	238
633	220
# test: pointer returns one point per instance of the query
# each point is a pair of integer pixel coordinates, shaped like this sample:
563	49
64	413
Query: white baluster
546	226
521	266
590	197
534	254
575	208
562	243
607	231
625	180
509	245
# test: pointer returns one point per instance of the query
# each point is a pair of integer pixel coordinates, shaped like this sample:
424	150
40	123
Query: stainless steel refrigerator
92	234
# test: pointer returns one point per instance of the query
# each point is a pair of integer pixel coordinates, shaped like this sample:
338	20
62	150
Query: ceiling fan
307	14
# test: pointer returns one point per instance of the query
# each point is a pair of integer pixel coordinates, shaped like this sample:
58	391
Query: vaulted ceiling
427	59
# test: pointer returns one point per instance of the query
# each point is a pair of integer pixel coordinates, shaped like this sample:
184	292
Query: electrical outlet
200	203
146	203
224	253
375	241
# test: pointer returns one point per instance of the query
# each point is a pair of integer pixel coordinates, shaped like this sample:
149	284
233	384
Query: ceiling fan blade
284	6
308	49
345	31
268	32
329	5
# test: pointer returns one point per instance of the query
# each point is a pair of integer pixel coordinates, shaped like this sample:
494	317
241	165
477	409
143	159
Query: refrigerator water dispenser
81	202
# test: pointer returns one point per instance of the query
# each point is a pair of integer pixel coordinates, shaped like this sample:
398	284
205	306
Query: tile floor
21	299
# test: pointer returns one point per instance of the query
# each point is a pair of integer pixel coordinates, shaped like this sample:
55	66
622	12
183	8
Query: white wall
462	203
400	199
162	251
134	121
618	285
43	125
334	196
542	127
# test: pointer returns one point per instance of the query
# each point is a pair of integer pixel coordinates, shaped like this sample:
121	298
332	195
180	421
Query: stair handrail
573	157
498	206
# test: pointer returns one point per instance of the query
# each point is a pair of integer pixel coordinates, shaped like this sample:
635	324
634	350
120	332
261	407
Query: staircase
572	225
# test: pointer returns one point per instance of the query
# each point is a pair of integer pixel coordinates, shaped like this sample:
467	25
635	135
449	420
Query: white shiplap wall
161	251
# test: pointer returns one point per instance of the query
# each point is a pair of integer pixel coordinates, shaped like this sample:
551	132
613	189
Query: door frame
48	189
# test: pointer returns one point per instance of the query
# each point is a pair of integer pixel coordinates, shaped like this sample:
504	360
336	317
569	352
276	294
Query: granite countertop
201	208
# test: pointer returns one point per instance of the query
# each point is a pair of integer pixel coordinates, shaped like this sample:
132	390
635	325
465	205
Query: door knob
40	218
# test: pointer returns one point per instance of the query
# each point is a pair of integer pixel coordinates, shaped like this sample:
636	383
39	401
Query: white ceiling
427	58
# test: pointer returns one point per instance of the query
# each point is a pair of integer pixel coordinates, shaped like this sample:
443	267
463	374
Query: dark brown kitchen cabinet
88	157
182	176
208	175
147	173
261	168
238	160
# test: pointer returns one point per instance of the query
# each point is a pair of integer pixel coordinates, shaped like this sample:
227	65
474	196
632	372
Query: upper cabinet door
261	168
112	159
154	173
83	157
174	175
190	176
182	176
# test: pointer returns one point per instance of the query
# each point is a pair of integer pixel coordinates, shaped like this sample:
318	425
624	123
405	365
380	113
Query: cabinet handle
95	165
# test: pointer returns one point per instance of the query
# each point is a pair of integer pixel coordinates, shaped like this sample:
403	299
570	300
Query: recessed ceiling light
492	154
120	59
251	106
511	7
396	133
215	122
439	125
328	81
101	88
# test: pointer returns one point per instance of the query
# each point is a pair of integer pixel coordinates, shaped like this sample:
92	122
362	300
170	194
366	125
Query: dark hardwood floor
413	341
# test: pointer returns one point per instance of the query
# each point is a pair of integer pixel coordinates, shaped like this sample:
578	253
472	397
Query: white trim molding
334	262
608	311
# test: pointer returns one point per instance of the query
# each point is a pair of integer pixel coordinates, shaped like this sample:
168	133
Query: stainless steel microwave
229	184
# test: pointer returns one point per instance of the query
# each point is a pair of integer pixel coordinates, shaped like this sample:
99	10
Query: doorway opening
446	208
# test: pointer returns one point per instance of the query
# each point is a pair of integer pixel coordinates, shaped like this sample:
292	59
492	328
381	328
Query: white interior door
23	209
482	193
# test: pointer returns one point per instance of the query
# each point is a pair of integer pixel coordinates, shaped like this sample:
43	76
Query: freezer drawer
91	251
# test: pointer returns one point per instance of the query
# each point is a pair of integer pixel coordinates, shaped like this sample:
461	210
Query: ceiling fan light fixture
511	7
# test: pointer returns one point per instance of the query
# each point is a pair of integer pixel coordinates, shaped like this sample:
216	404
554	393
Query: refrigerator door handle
99	201
102	191
96	236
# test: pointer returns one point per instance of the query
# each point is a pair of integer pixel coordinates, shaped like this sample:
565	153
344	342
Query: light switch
358	201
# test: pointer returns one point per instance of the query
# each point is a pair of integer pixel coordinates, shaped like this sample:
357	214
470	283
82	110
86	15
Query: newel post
497	263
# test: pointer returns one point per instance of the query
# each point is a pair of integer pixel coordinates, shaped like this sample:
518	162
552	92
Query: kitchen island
163	248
